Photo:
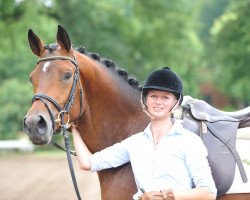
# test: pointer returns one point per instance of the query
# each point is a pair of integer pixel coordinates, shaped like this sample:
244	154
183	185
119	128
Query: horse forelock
51	47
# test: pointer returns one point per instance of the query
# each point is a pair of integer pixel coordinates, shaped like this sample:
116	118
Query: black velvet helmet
164	79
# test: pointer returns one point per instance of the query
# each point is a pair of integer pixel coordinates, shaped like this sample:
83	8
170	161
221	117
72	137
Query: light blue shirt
179	161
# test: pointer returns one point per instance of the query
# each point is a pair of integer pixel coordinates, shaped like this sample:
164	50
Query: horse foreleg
117	184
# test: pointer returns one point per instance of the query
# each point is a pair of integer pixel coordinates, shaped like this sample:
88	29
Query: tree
138	35
17	60
15	100
231	45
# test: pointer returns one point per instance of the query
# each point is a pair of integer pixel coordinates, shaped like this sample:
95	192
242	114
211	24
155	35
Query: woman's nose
158	100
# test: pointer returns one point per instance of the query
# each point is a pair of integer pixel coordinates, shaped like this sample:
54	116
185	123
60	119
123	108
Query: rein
62	111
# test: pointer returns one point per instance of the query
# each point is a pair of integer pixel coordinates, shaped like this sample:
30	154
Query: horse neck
112	107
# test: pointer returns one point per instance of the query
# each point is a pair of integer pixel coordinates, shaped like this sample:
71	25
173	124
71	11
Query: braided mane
104	61
111	65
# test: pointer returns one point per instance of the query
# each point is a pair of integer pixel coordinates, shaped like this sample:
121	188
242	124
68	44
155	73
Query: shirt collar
175	130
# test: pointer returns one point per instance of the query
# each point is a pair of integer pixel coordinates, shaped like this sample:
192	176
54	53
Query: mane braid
111	65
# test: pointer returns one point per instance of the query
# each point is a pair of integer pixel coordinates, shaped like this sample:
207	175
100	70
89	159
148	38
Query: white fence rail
21	144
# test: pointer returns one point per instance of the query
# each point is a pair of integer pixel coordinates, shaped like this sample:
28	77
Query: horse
94	93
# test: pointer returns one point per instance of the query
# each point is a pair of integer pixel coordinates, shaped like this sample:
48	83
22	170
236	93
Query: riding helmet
164	79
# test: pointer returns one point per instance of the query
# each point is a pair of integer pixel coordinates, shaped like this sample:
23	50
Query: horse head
55	81
72	85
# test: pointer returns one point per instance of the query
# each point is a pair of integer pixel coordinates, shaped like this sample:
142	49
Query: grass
246	161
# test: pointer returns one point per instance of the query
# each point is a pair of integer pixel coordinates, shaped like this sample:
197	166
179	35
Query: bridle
62	111
71	96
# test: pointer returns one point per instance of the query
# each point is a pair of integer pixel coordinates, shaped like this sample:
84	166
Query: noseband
71	96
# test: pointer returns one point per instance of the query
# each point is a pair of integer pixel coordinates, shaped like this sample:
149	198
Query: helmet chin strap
145	110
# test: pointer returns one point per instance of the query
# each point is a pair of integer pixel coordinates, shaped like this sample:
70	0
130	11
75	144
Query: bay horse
101	98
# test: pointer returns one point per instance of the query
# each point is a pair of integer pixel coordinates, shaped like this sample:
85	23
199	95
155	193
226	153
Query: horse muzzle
39	128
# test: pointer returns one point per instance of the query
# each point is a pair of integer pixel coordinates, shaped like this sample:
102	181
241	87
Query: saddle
218	132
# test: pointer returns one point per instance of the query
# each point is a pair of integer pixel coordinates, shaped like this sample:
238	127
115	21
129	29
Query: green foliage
231	44
17	60
15	100
246	161
138	35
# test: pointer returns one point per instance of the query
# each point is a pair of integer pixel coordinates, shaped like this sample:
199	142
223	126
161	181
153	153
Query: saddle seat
203	111
240	114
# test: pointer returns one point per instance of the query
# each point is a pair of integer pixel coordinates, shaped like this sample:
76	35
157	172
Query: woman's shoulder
134	137
142	134
137	135
185	133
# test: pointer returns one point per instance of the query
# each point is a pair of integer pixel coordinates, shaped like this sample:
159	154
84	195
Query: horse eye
31	80
67	76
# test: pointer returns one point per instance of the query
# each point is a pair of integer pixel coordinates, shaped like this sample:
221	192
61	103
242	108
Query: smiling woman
167	160
161	103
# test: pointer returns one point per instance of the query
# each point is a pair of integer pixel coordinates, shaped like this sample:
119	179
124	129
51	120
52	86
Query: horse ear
63	39
36	45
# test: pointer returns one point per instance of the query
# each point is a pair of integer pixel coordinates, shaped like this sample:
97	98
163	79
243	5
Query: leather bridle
71	96
65	110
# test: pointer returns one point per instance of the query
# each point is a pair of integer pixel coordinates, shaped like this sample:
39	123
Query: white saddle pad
243	148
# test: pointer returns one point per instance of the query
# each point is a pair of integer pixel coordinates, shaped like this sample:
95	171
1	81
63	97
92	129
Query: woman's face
160	103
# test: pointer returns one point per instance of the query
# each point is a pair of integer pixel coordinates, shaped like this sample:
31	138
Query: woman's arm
200	171
83	153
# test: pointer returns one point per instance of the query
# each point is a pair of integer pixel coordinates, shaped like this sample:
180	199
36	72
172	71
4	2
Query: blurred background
206	42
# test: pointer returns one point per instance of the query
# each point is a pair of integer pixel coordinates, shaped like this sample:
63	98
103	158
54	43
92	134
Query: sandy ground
29	177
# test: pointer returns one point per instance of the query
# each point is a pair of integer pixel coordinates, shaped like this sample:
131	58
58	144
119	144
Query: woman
168	161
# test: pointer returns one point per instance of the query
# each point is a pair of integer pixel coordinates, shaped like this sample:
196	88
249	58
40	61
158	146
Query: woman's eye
67	75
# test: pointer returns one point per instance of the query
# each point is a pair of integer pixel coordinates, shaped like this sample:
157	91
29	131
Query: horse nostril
42	125
25	127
